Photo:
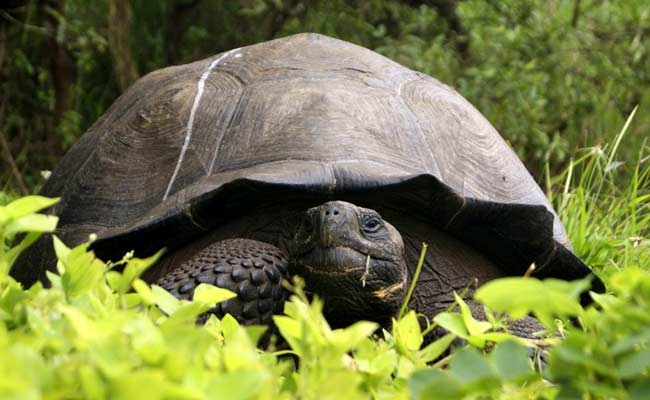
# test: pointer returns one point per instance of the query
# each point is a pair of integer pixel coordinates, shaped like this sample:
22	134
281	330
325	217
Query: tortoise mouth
333	260
354	285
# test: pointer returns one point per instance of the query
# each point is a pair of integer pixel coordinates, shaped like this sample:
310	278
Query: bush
99	333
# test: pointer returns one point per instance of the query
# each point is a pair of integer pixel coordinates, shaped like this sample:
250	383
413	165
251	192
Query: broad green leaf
84	327
134	268
114	280
434	350
229	325
147	340
187	313
635	365
256	332
10	297
28	205
522	296
92	384
383	364
511	361
578	350
348	338
471	367
434	384
291	331
139	384
640	390
81	271
407	333
32	223
499	337
453	323
143	289
165	300
12	255
237	385
474	327
62	251
210	294
631	342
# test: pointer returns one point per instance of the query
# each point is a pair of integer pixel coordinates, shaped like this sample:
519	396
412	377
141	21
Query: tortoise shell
189	146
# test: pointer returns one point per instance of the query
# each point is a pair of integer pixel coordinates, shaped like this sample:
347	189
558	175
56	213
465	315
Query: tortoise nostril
327	213
336	212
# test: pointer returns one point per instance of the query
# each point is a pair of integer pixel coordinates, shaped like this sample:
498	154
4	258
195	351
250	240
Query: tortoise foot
252	269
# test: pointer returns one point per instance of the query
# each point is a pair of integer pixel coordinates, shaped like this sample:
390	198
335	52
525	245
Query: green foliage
610	356
102	333
606	211
551	76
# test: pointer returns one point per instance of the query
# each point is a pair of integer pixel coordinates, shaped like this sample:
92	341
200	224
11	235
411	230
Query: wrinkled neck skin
353	259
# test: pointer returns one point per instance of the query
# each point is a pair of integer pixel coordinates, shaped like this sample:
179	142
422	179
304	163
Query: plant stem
416	276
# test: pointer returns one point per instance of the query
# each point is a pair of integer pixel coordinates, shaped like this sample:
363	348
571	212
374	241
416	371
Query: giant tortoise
312	156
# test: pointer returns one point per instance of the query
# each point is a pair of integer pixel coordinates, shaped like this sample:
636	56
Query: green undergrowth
603	200
100	332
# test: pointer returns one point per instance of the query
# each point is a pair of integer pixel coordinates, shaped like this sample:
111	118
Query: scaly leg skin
254	270
528	328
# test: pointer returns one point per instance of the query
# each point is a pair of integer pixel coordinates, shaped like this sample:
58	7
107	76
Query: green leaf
521	296
511	361
434	384
383	364
12	255
350	337
134	268
635	365
640	390
92	384
473	326
212	295
165	300
144	290
452	322
237	385
229	326
80	270
28	205
631	342
62	251
471	367
32	223
498	337
291	331
147	340
434	350
407	333
577	351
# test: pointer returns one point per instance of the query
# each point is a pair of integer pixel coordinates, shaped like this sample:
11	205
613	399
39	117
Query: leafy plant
101	332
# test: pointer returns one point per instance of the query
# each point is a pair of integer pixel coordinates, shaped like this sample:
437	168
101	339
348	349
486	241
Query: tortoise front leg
254	270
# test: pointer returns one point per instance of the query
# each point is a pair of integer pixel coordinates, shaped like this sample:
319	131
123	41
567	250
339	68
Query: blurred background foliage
551	76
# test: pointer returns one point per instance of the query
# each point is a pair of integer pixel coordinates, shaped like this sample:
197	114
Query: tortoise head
353	259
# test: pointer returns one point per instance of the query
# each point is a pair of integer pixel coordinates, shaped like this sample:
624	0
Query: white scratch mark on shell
197	99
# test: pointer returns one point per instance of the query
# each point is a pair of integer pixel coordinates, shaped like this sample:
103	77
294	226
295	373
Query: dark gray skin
348	255
352	258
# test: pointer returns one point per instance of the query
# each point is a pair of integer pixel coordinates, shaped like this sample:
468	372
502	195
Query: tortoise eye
372	225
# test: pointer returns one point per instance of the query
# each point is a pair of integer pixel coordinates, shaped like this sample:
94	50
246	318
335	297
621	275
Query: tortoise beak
331	218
